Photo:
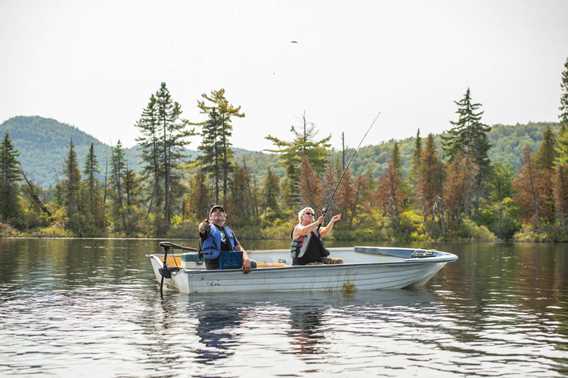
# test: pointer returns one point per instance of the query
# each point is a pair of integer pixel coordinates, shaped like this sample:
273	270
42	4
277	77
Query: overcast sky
94	64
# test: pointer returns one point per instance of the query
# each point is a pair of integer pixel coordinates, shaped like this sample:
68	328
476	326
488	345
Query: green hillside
507	144
43	145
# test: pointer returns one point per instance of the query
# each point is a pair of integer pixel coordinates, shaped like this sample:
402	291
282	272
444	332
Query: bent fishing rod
330	200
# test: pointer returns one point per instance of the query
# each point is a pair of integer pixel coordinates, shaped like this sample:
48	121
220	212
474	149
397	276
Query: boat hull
345	277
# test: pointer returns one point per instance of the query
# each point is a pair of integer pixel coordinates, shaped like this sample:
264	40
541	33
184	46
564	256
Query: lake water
71	308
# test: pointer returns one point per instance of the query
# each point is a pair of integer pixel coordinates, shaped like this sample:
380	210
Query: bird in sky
293	41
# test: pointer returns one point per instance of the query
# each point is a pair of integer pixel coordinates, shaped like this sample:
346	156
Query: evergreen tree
544	159
310	186
151	152
72	187
468	137
217	157
527	191
501	183
117	188
346	201
270	196
391	194
291	154
415	167
132	193
173	138
561	195
562	145
564	96
210	159
430	179
242	201
94	215
199	199
458	190
164	136
9	177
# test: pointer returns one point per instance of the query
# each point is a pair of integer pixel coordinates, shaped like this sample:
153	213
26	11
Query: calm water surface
91	308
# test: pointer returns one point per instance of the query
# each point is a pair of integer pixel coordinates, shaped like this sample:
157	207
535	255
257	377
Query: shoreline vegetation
449	190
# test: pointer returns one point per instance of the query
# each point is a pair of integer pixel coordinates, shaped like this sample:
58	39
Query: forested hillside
43	143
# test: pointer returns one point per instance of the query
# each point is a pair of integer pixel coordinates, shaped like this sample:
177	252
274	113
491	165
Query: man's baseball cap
216	207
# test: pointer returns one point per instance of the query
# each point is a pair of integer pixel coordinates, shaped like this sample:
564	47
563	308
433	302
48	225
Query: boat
384	268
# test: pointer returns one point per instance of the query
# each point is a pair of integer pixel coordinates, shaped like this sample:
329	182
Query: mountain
43	144
507	145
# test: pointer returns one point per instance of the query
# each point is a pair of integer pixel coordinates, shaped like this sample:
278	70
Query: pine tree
544	159
468	137
10	211
564	96
458	190
527	191
561	194
310	186
391	194
501	183
241	203
430	179
346	201
270	196
164	136
291	153
132	194
199	199
562	145
94	214
415	168
150	143
217	158
72	187
117	188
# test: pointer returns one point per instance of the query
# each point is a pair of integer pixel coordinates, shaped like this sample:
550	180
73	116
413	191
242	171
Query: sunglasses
308	213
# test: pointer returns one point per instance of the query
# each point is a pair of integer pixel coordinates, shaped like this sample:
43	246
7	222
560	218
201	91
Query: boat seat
172	262
270	265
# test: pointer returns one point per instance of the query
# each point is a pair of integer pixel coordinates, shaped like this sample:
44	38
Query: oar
164	272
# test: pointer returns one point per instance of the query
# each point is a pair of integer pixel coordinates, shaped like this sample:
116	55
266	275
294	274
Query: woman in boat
307	246
218	238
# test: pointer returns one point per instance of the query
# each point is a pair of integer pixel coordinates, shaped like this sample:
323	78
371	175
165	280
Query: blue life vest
212	245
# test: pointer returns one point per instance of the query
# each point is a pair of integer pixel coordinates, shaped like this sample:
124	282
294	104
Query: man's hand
204	226
246	263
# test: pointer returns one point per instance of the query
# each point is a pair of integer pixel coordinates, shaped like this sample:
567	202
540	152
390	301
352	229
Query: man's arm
246	259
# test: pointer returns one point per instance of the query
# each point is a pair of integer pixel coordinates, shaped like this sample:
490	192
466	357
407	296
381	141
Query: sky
94	64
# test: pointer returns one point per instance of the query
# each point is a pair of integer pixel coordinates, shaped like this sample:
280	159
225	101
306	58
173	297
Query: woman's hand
320	220
336	218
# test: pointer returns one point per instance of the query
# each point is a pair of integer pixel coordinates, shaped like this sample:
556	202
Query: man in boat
217	239
307	246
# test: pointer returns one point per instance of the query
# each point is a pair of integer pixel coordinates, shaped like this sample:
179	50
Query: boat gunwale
445	258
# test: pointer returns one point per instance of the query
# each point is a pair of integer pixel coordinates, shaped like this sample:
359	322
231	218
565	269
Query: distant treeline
450	188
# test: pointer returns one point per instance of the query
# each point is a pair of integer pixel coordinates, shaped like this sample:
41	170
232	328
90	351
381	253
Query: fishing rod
330	200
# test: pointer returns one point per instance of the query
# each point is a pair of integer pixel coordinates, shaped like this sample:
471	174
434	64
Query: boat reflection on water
306	330
218	331
225	324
